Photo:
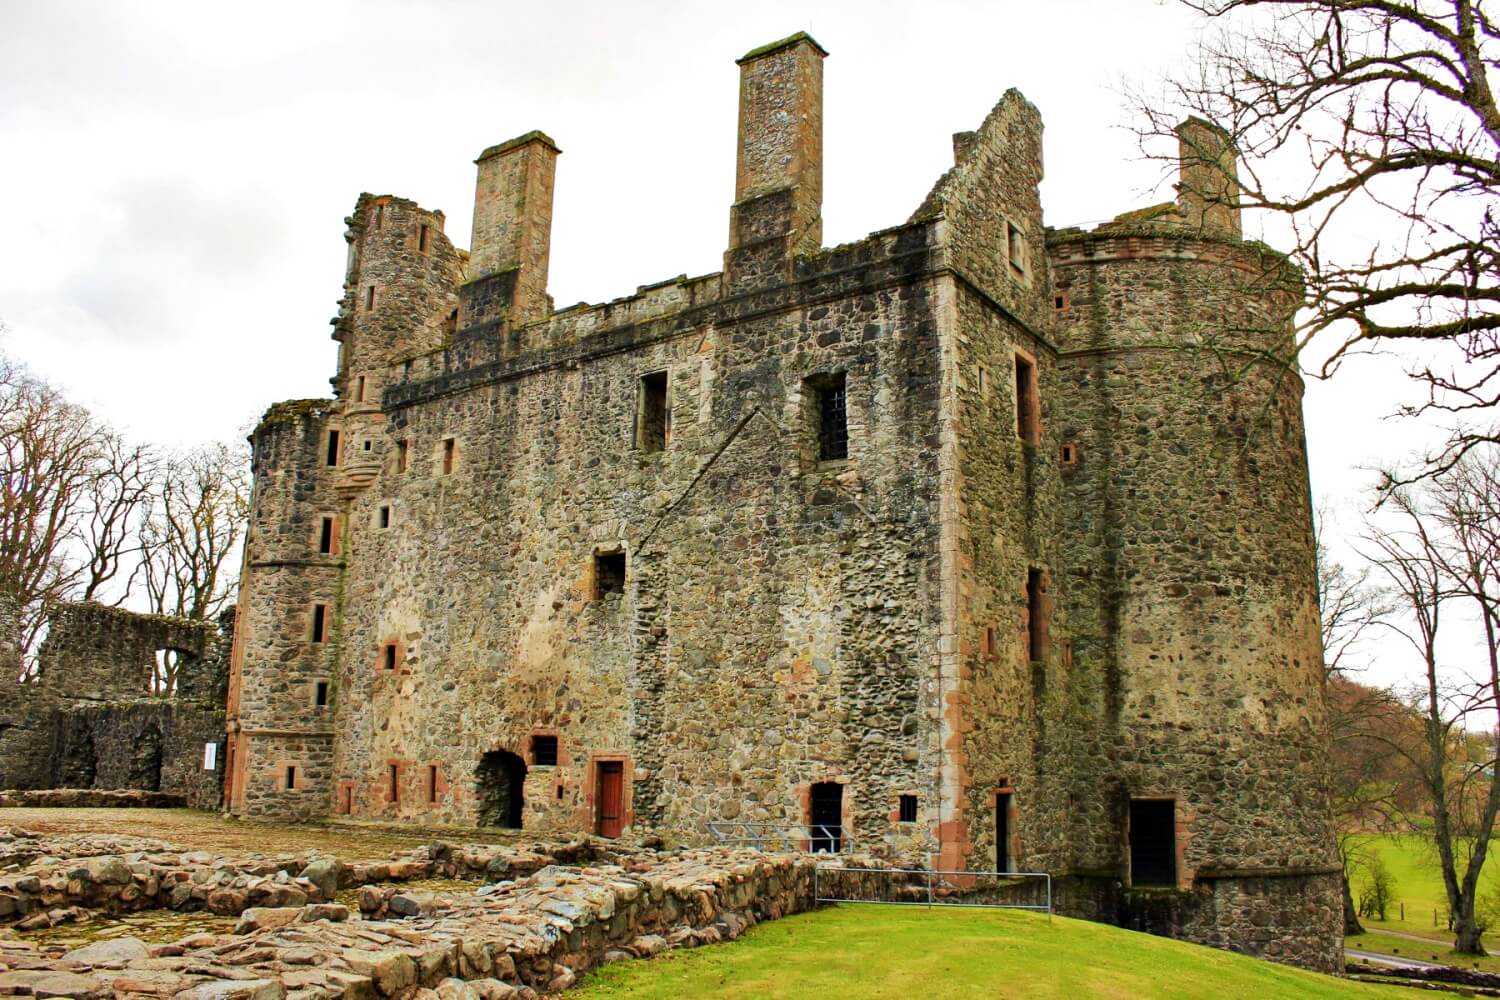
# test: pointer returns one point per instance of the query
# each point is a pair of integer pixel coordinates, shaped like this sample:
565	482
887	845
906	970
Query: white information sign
210	756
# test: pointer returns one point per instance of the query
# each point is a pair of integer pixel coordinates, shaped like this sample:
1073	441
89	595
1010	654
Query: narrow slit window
422	238
320	695
432	769
333	448
831	402
390	656
1153	842
369	298
325	536
359	389
384	518
403	451
544	750
291	778
1003	860
654	414
393	775
609	574
1026	401
1069	455
908	808
320	623
379	216
1015	247
1036	615
449	447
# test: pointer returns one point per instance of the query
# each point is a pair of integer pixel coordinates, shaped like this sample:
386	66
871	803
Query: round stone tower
1191	578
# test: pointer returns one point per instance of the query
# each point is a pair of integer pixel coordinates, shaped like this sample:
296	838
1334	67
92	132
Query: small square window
383	519
1069	454
368	445
1060	301
908	807
390	656
544	751
609	573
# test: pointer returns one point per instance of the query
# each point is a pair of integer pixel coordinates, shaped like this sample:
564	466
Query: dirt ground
207	831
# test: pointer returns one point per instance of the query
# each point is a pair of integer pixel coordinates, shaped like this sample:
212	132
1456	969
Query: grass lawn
1418	884
877	952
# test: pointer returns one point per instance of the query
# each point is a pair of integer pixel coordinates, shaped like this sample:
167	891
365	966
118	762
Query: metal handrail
929	873
792	836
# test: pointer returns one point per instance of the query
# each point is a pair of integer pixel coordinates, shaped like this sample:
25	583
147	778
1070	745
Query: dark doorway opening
1153	842
1002	832
145	760
826	819
611	788
500	781
80	764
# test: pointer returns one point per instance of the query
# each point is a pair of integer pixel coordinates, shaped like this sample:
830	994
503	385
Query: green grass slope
878	952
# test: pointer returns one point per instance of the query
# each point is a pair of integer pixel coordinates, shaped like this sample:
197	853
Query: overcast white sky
176	174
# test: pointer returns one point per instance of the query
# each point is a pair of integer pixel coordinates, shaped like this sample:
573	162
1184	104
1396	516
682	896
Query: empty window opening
432	771
291	778
368	445
422	238
908	808
393	788
609	574
379	216
1036	615
1069	454
1015	247
403	450
359	389
168	669
449	446
544	750
987	648
325	536
369	298
1003	859
1153	842
390	656
384	517
320	623
500	781
1025	400
653	414
831	401
146	760
826	818
333	448
320	695
559	793
1060	301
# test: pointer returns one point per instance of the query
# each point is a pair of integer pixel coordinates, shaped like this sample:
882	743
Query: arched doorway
145	761
500	781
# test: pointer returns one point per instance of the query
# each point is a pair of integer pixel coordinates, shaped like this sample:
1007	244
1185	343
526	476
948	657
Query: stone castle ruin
973	542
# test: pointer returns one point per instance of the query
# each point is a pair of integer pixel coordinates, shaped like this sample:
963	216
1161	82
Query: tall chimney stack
512	232
1208	189
778	189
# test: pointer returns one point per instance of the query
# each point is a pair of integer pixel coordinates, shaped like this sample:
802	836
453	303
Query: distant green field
901	953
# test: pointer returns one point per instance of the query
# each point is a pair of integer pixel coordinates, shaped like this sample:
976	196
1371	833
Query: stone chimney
778	188
1208	186
512	232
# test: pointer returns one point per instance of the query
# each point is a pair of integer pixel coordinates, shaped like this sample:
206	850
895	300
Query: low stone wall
89	798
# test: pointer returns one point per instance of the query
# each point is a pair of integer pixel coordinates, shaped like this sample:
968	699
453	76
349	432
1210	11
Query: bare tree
72	490
1370	130
193	530
1442	560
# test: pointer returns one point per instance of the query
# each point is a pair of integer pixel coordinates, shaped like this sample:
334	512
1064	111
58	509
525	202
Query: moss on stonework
784	43
535	135
291	410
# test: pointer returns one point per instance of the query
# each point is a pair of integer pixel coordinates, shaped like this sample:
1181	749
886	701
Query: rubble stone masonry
1005	525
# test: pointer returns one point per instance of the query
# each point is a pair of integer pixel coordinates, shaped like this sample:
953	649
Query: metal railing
926	887
813	838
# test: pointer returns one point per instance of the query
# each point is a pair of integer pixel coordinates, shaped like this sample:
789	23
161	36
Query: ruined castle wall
1192	586
97	653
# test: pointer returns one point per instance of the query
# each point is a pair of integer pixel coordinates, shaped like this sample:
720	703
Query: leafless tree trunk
195	525
1370	131
1442	560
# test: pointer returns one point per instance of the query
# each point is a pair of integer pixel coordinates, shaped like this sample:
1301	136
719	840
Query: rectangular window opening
325	536
393	775
369	298
320	622
654	414
908	808
379	216
1036	615
1153	842
320	695
832	415
359	389
385	516
449	446
609	573
1069	455
432	771
422	238
1015	247
1025	400
1002	832
544	750
390	656
402	451
333	448
291	778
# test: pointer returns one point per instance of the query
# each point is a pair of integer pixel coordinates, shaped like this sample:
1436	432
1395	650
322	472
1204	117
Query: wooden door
611	792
